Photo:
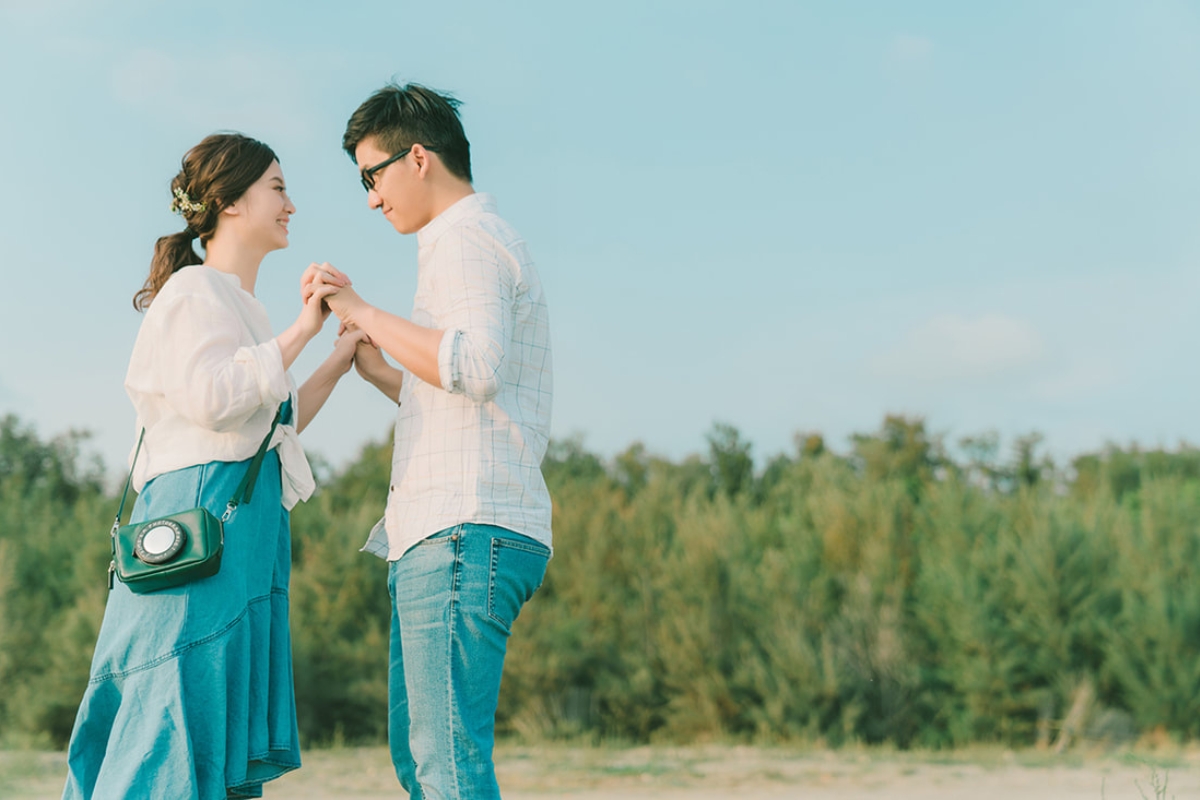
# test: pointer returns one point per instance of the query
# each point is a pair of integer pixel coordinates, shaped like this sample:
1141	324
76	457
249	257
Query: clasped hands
325	284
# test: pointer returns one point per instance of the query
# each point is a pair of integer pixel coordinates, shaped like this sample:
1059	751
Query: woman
191	692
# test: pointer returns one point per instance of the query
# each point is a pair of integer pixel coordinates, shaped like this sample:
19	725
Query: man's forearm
388	381
414	347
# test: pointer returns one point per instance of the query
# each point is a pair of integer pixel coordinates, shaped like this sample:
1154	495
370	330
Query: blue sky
784	216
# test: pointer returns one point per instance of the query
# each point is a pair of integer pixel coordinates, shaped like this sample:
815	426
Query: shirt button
392	488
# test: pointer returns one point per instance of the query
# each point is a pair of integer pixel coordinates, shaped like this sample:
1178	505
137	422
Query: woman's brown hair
213	174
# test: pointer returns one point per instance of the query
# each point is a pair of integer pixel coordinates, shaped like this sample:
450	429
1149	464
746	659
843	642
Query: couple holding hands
191	692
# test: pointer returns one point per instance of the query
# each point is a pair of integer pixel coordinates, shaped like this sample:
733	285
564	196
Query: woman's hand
344	301
317	274
345	349
316	310
318	283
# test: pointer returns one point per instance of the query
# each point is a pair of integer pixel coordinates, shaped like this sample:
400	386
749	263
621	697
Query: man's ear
422	158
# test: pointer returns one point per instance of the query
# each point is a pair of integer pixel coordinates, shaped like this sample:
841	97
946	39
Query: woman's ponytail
171	254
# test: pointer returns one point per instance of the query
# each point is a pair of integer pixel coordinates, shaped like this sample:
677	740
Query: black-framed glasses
368	174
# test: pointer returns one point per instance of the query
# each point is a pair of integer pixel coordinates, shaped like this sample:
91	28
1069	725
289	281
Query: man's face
400	190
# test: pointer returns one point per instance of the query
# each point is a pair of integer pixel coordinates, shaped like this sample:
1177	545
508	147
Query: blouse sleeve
204	371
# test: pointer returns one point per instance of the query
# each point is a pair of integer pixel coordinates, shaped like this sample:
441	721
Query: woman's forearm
291	343
316	390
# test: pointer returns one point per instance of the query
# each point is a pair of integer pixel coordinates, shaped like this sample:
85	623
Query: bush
890	595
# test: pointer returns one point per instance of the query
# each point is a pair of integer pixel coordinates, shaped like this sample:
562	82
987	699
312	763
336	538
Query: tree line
900	592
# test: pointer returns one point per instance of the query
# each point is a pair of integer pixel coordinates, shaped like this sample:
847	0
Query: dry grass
712	771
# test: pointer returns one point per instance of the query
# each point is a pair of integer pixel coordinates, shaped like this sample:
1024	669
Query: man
467	526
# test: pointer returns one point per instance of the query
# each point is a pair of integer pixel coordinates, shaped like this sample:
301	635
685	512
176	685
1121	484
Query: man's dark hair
401	116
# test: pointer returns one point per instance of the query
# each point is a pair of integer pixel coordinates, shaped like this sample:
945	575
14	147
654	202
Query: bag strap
117	519
246	488
241	494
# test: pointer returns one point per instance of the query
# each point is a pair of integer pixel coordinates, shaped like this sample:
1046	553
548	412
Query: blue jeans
454	597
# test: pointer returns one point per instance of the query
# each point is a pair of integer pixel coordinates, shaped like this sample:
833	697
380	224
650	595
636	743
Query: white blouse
206	377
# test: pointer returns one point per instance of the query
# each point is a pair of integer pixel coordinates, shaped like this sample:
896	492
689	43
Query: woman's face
264	210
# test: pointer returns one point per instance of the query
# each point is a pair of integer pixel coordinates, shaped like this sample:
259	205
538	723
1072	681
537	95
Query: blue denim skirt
191	692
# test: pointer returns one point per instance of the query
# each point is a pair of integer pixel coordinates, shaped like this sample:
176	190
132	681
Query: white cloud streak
1077	379
909	51
950	348
248	92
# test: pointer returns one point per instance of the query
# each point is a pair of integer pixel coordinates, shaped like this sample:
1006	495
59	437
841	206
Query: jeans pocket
517	569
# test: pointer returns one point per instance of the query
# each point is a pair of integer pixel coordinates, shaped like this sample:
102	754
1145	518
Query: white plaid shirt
471	449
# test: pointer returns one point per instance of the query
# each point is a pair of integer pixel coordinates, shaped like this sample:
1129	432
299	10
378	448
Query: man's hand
321	273
369	360
372	367
344	301
415	347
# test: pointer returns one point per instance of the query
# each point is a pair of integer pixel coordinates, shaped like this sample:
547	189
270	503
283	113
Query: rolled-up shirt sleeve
474	288
206	374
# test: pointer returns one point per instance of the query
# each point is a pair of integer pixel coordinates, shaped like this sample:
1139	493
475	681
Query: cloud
906	50
1077	380
145	77
951	348
44	11
231	90
55	18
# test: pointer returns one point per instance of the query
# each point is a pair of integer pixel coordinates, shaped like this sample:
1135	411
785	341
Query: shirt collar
472	205
233	280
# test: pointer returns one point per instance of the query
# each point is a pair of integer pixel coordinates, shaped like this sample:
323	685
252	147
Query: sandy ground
711	772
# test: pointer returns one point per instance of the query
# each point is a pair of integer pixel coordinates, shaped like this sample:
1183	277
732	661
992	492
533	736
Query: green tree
730	460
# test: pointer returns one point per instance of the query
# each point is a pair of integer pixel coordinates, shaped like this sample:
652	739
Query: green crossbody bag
185	546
